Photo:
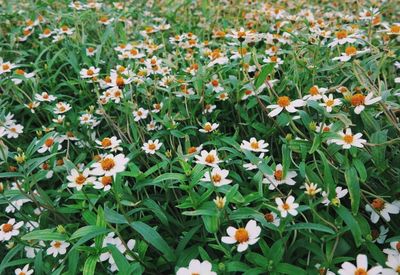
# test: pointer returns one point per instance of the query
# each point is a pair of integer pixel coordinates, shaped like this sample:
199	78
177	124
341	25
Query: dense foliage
199	137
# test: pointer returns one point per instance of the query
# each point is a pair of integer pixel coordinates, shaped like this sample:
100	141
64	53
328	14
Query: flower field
200	137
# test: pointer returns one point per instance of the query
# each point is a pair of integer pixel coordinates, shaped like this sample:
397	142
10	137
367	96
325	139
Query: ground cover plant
199	137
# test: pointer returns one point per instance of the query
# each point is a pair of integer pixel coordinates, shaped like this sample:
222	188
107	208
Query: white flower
394	250
78	180
104	183
393	261
244	236
359	101
380	208
342	37
349	53
57	247
347	139
361	267
273	218
254	145
24	271
90	73
273	59
277	178
208	158
9	229
45	97
217	176
311	189
215	86
150	147
90	51
330	102
113	144
284	103
340	193
110	165
14	130
315	93
381	235
289	206
197	267
61	108
48	145
140	114
208	127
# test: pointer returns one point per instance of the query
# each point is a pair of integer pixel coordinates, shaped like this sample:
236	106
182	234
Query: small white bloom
289	206
244	236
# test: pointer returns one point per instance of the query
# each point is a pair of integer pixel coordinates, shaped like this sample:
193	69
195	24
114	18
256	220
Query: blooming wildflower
359	101
311	189
254	145
246	236
110	165
380	208
339	193
57	248
208	158
342	37
360	269
90	51
150	147
315	93
208	127
330	102
197	267
49	143
24	271
347	139
220	202
273	218
140	114
289	206
45	97
349	52
112	144
284	103
103	182
277	178
78	180
217	176
10	229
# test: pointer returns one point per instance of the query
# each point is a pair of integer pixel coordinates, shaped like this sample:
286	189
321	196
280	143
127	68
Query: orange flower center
106	142
313	90
216	178
208	127
341	34
348	139
49	142
107	164
134	52
286	206
152	146
278	174
283	101
269	217
329	102
254	145
351	50
274	59
357	99
19	71
326	129
395	29
7	227
210	158
46	31
6	67
106	180
191	150
215	83
57	244
90	72
80	179
360	271
378	204
241	235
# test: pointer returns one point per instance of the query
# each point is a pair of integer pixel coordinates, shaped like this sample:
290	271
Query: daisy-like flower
14	130
217	176
359	101
254	145
246	236
24	271
340	193
48	145
157	107
110	165
92	72
197	267
150	147
6	67
90	51
66	30
140	114
392	30
342	37
113	144
208	158
315	93
208	127
380	235
349	52
215	86
61	108
274	60
284	103
393	262
360	269
10	229
78	180
45	34
23	74
312	189
347	139
394	249
104	183
45	97
273	218
220	202
289	206
322	127
32	106
277	178
380	208
57	248
330	102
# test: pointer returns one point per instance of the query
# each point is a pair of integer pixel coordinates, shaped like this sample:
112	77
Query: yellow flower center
348	139
106	142
241	235
80	179
341	34
49	142
351	50
395	29
210	158
216	178
152	146
360	271
208	127
254	145
283	101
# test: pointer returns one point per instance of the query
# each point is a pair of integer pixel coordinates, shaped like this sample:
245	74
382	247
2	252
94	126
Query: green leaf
90	229
284	268
362	172
44	235
350	222
120	260
90	265
351	178
154	238
310	226
265	71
